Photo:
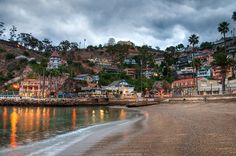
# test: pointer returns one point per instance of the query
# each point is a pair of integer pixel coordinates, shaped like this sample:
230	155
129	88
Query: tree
234	16
180	47
193	40
206	45
74	45
47	45
197	63
221	60
64	45
223	28
2	29
13	31
111	42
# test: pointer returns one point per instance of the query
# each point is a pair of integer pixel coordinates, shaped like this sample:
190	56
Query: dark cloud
153	22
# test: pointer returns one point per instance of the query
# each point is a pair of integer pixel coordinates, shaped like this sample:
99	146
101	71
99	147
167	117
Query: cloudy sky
154	22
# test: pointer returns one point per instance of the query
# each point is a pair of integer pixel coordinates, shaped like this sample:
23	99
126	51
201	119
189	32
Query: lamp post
211	87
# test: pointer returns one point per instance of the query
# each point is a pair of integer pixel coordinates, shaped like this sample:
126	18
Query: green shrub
2	50
9	56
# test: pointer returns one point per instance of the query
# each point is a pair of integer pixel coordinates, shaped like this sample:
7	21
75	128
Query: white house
120	86
55	61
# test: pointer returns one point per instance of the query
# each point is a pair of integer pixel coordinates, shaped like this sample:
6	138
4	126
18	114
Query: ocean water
20	126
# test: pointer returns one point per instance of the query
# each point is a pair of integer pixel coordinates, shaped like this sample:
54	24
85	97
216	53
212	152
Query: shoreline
45	146
166	129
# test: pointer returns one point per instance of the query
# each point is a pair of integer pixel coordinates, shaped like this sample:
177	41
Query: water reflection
14	120
20	125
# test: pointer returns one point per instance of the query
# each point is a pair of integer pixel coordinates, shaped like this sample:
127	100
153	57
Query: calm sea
24	125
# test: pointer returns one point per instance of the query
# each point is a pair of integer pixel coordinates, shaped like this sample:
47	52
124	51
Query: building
209	87
130	72
159	60
33	88
120	87
183	61
55	61
216	73
185	73
184	87
126	43
130	61
87	77
204	72
105	61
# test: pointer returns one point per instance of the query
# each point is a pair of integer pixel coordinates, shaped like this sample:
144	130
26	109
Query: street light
211	87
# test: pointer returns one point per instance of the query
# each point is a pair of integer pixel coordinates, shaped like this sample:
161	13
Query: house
33	88
204	72
130	61
104	61
55	61
159	60
216	72
87	77
183	61
184	87
186	72
36	87
229	42
130	72
209	87
120	86
126	43
149	72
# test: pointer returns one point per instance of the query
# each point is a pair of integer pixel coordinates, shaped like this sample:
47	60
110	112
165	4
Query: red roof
55	54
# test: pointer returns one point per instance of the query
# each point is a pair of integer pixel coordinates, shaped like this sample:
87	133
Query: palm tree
221	60
197	63
193	40
223	28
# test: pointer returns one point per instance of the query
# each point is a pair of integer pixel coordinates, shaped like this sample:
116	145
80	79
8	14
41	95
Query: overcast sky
154	22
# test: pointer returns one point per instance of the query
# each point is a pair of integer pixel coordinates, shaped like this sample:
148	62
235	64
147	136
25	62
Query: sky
159	23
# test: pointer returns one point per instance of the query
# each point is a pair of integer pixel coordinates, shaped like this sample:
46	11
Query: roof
55	54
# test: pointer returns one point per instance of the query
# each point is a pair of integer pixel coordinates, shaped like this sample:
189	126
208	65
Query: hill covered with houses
37	68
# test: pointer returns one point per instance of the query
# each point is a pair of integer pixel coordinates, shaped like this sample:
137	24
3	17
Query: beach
173	129
165	129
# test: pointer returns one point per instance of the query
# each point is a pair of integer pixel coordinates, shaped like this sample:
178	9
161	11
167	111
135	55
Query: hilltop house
55	61
104	61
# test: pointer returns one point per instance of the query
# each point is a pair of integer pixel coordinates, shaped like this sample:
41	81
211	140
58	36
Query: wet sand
169	130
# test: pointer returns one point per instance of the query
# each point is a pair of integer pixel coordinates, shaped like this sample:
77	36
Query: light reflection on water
21	125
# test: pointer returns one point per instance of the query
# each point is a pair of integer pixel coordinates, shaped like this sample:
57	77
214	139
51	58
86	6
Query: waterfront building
55	61
184	87
33	88
209	87
120	87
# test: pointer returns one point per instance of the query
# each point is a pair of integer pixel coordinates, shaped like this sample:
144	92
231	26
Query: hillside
10	67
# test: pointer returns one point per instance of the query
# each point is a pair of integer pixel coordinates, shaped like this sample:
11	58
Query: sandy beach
173	129
198	129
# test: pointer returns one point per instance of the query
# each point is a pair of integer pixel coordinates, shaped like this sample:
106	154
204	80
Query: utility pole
43	82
